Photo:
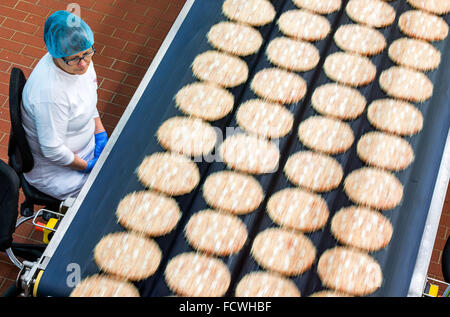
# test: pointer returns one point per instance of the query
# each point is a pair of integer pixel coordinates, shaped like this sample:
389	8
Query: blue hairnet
66	34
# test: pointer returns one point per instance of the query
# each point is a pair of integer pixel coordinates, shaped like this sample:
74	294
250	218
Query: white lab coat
58	111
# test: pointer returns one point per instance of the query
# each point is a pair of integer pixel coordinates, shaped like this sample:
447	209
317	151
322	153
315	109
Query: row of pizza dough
347	268
174	174
375	187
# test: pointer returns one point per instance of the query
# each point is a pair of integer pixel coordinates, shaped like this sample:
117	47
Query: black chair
9	200
19	153
446	261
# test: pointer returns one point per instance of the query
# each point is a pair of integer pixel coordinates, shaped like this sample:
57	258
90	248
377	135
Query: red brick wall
128	33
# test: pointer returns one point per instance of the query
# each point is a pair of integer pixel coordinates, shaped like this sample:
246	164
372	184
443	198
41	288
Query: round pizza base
278	85
220	68
329	293
423	26
148	212
206	101
100	285
304	25
350	69
169	173
187	135
439	7
374	13
374	188
406	84
235	38
266	284
320	7
252	12
349	271
250	154
416	54
362	228
264	118
232	192
298	209
395	116
216	233
314	171
293	55
127	255
385	151
326	135
285	252
195	275
360	39
338	101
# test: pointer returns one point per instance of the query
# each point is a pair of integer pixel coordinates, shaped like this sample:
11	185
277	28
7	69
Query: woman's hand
82	165
90	165
100	142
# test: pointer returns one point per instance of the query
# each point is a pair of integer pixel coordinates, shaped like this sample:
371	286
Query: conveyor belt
93	216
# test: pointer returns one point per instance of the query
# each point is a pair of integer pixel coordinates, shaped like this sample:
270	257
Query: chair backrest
9	200
19	152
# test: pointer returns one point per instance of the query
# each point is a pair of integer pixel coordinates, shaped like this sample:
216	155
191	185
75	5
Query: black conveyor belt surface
95	216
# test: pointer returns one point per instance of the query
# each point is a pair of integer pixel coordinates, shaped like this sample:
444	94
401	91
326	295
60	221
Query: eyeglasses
76	60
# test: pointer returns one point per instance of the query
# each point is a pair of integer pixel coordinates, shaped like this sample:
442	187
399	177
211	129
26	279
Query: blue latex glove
100	142
90	165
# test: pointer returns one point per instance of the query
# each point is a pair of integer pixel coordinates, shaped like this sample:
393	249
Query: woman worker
59	112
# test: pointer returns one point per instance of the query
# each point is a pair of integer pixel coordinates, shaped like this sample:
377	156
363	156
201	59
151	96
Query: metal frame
433	280
41	212
9	251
